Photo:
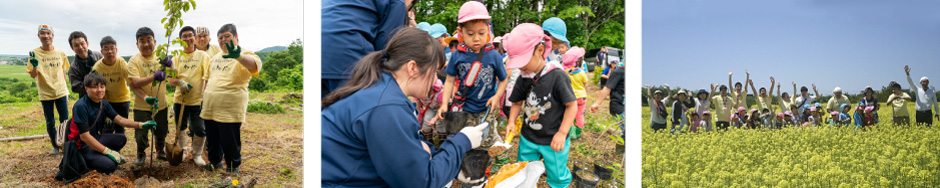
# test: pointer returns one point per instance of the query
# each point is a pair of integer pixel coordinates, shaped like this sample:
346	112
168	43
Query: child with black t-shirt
543	92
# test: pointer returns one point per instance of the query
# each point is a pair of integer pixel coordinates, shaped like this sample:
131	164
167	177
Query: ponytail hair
406	45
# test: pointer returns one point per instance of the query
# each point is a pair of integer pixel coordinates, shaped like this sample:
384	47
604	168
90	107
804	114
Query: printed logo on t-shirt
485	77
534	108
54	61
219	67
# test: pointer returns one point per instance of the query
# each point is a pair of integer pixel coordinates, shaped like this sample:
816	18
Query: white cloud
260	24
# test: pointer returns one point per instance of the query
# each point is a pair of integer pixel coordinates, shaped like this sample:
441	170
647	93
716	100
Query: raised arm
772	82
907	70
778	91
747	79
815	91
793	96
754	91
729	79
711	94
668	91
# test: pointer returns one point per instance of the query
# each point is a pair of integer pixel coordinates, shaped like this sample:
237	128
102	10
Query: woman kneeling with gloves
101	151
370	129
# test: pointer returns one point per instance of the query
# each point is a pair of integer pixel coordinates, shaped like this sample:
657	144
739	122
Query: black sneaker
161	155
55	151
211	167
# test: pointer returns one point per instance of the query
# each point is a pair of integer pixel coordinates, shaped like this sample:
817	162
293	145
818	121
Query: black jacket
81	67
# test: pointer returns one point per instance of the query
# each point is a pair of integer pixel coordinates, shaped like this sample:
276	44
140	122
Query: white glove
465	179
475	134
184	86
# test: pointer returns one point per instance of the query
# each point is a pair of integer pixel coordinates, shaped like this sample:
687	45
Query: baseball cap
521	43
472	10
437	30
557	28
572	56
424	26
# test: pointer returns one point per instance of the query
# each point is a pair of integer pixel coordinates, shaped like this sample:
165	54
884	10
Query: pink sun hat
521	43
572	56
869	109
472	10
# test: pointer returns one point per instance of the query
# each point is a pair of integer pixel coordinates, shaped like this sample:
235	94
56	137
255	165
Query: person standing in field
898	101
115	72
869	100
147	83
202	42
84	60
187	99
926	100
805	98
225	99
763	100
702	101
737	94
785	101
724	107
544	91
838	99
679	107
657	106
48	66
579	80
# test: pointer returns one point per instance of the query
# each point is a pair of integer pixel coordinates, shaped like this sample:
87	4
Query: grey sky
260	24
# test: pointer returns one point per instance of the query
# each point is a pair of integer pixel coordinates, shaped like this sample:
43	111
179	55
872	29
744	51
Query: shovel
501	146
174	151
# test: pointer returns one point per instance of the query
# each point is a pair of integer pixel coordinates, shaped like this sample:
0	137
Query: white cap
837	90
923	78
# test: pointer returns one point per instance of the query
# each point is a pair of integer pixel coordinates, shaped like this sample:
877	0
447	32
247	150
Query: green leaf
185	6
163	20
193	2
181	22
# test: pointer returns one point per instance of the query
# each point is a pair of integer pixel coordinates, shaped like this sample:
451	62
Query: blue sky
260	24
846	43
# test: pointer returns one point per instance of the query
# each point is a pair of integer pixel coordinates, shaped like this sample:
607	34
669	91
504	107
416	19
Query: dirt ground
272	153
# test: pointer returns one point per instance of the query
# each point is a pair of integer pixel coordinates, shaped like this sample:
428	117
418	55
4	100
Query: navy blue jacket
353	28
371	139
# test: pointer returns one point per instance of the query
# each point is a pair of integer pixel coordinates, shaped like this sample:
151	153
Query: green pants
556	163
575	132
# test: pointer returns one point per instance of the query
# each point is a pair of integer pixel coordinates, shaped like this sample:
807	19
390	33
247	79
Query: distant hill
273	49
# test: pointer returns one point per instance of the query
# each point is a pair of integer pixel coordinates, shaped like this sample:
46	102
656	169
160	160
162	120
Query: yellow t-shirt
723	107
226	97
191	68
785	106
763	102
116	75
50	78
899	106
139	67
577	84
213	49
741	101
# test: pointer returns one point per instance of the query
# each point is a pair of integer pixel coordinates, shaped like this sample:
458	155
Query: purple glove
167	62
159	76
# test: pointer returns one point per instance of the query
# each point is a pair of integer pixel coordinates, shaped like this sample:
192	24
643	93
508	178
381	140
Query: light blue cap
424	26
557	28
437	30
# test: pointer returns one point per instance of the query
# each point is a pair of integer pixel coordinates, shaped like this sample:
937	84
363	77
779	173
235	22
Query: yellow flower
234	182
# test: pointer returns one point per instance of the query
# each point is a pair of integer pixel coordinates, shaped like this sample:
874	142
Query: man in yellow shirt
225	100
837	100
763	100
742	101
188	96
898	100
724	105
202	42
48	66
114	70
145	68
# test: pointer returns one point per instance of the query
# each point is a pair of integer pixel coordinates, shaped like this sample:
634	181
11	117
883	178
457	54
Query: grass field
885	156
14	71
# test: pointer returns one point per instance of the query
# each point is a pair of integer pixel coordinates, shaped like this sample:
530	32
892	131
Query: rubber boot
197	150
161	153
181	143
141	157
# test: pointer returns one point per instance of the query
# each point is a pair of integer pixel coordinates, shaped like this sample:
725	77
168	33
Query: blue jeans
48	108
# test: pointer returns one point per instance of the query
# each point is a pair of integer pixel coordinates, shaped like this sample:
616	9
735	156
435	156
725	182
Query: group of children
211	96
548	86
793	111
